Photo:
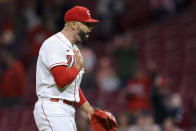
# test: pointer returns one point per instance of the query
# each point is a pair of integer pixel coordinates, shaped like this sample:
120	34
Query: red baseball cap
78	13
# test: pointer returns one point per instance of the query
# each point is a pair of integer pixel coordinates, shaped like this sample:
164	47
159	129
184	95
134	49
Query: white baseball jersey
55	116
56	50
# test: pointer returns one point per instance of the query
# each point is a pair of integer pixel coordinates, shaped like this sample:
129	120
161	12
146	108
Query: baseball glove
103	121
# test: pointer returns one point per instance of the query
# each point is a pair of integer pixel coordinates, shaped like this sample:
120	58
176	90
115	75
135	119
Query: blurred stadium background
140	61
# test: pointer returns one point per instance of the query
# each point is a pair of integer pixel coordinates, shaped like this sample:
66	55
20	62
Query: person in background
107	79
159	95
13	81
123	121
170	125
137	93
144	122
108	83
90	59
124	51
107	11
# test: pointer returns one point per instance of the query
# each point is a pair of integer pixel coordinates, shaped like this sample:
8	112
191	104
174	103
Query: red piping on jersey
63	76
62	41
46	116
77	80
61	63
75	91
75	87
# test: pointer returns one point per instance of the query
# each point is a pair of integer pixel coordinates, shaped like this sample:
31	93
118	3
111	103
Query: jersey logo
68	50
70	60
88	12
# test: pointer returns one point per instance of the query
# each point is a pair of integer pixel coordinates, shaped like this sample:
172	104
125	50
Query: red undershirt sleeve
63	76
82	98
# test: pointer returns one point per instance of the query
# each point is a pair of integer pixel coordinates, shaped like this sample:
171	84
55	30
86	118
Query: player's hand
79	60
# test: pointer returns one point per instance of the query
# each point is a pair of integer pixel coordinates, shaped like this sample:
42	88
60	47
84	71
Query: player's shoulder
49	45
51	42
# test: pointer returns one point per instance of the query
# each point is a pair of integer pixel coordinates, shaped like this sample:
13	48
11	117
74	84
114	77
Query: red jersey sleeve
64	76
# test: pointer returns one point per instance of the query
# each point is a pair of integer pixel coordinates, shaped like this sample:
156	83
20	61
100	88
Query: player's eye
88	24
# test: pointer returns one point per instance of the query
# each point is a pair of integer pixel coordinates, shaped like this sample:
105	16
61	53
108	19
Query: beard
83	36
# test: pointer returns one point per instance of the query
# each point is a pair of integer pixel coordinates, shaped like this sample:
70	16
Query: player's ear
74	25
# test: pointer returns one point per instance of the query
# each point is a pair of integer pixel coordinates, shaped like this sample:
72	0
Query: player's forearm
86	107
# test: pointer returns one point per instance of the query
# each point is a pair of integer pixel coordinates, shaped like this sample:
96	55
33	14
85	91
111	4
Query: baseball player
59	72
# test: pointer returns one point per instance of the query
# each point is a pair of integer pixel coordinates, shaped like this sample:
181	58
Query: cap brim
91	20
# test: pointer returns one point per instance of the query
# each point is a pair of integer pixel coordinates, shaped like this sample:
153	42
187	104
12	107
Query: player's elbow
62	83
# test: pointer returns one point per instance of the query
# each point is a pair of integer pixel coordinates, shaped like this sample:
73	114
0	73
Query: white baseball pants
54	116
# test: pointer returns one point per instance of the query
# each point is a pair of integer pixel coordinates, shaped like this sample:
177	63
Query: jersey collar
64	39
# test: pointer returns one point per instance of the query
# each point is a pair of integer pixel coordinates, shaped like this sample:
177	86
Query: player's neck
68	35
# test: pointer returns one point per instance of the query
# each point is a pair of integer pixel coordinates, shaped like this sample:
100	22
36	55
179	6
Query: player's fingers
76	55
75	52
